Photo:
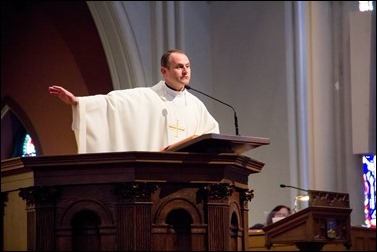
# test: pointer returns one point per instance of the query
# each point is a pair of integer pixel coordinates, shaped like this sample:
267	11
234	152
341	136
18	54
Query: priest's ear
164	70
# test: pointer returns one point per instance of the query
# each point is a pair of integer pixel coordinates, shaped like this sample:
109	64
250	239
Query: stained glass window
28	148
369	177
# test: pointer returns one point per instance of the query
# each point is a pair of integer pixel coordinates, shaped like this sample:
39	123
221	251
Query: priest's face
178	73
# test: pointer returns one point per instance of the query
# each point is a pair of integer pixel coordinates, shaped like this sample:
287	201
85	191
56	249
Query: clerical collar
174	88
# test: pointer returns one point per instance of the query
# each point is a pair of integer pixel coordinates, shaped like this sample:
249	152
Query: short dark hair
166	56
273	211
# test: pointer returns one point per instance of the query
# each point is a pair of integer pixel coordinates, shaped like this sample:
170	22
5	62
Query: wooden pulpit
326	220
186	199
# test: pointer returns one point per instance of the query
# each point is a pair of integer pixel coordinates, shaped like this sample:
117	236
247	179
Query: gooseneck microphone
282	185
235	114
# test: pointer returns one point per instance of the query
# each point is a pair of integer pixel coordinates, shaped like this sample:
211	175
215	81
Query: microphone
235	114
282	186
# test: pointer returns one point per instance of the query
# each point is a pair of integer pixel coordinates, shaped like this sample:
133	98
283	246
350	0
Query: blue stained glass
369	177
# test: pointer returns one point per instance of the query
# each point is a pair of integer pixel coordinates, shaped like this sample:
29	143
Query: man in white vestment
143	118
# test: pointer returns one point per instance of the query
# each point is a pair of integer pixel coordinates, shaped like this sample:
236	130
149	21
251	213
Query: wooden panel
363	239
136	197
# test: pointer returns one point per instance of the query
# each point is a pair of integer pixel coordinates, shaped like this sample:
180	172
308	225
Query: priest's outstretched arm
64	95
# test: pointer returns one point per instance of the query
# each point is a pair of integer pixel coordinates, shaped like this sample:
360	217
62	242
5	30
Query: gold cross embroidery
177	128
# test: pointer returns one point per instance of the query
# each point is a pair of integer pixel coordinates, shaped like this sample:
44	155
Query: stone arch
119	43
13	114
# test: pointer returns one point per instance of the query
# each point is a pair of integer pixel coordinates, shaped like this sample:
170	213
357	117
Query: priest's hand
64	95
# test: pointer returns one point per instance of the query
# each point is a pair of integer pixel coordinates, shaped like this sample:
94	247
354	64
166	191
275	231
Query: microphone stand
235	114
298	197
282	186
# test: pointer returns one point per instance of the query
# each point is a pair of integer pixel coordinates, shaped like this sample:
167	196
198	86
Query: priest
143	118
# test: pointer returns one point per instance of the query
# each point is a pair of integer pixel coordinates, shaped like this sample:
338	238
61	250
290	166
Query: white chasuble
139	119
176	115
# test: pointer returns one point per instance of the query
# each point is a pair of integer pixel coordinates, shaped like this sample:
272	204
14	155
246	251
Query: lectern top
219	143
